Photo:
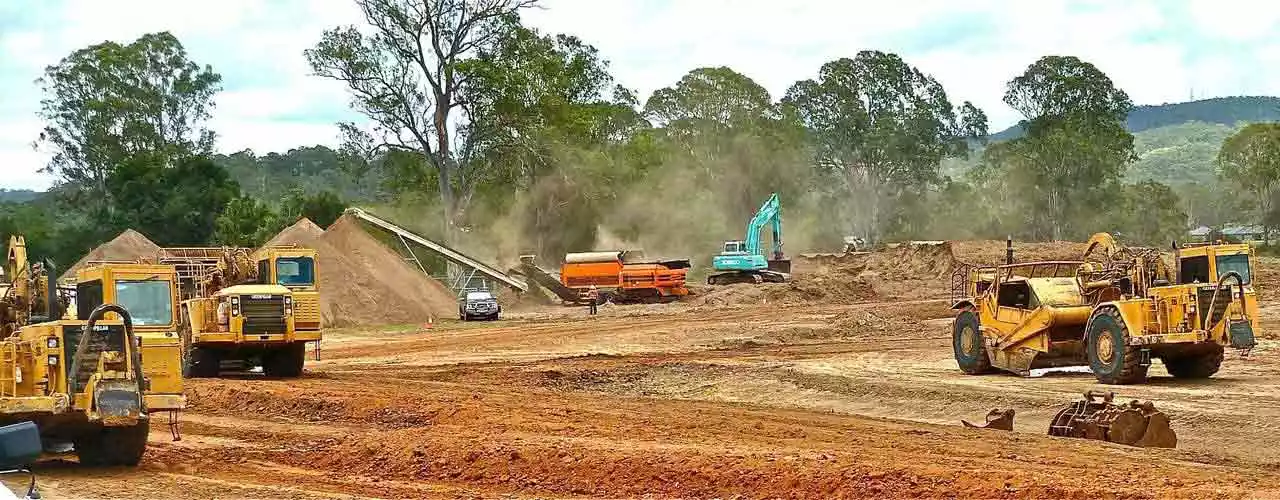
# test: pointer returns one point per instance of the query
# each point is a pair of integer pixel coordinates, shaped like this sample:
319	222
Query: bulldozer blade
1158	434
996	419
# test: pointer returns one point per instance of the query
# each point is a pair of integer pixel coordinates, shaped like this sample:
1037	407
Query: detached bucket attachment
996	419
1096	417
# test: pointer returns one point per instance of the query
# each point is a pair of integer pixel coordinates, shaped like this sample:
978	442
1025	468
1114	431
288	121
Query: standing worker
593	298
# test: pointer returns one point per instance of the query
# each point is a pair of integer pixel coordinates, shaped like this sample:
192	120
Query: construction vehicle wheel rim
967	341
1106	348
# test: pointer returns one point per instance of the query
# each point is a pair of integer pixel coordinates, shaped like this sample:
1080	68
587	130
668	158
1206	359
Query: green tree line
502	139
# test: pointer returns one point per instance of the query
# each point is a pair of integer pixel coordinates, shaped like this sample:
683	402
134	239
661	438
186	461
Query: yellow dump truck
249	324
294	267
233	318
1114	311
86	376
82	384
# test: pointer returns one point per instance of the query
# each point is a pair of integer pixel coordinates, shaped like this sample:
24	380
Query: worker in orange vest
593	298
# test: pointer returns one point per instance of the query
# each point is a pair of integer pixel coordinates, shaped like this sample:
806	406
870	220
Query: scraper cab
1137	423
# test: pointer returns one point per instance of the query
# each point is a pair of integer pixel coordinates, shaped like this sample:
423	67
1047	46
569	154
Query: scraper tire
968	345
1198	365
1112	360
285	362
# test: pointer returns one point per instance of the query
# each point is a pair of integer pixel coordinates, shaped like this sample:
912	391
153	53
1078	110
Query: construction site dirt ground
850	398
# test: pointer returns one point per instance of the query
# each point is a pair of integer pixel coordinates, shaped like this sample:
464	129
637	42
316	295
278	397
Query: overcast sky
1157	50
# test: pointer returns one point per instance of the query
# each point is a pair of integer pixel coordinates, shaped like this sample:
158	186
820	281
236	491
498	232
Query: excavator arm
770	214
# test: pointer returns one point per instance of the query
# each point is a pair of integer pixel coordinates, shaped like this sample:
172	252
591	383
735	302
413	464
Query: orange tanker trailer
625	276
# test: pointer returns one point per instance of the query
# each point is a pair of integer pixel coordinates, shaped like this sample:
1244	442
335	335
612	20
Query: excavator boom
745	261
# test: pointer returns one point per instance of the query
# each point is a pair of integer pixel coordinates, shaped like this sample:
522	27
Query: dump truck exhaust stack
1137	423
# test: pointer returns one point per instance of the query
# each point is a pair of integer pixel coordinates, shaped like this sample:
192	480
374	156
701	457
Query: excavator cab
735	247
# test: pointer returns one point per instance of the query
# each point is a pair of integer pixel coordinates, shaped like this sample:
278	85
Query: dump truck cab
293	267
244	324
1113	311
150	293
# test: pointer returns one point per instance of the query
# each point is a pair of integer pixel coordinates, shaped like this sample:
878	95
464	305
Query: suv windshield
295	271
1238	263
149	302
479	296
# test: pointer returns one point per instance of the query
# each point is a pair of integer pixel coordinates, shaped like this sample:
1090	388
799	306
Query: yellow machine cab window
1196	268
1238	263
295	271
150	302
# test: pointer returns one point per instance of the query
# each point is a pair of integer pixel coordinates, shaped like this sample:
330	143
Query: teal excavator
743	261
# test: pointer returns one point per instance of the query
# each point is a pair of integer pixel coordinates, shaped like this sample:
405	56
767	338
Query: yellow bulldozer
86	377
1114	311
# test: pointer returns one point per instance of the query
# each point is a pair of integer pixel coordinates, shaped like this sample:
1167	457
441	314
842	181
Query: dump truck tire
201	362
967	343
1112	360
113	446
286	361
1198	365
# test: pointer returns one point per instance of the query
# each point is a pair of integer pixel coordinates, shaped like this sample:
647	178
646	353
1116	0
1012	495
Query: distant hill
1227	111
310	169
18	195
269	177
1179	154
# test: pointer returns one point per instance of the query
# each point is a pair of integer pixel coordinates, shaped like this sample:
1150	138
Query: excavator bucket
996	419
1096	417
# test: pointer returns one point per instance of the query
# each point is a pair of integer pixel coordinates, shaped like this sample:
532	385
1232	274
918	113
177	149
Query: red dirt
790	399
128	246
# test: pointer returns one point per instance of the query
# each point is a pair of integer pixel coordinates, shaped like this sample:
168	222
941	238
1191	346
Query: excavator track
757	277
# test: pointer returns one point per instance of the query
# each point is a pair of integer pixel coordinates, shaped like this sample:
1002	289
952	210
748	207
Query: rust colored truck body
622	280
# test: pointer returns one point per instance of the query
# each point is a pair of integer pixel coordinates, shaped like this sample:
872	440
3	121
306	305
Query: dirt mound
992	252
128	246
365	283
916	259
910	260
829	289
302	233
914	269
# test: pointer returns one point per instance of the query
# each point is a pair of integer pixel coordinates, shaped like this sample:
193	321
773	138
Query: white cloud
1157	50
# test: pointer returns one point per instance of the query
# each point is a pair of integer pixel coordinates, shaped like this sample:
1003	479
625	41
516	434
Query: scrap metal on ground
1137	423
1000	419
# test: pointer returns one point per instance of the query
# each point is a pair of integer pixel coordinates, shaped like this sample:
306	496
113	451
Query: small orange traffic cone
430	322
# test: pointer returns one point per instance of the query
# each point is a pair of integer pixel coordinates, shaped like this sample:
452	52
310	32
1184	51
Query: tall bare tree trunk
444	166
